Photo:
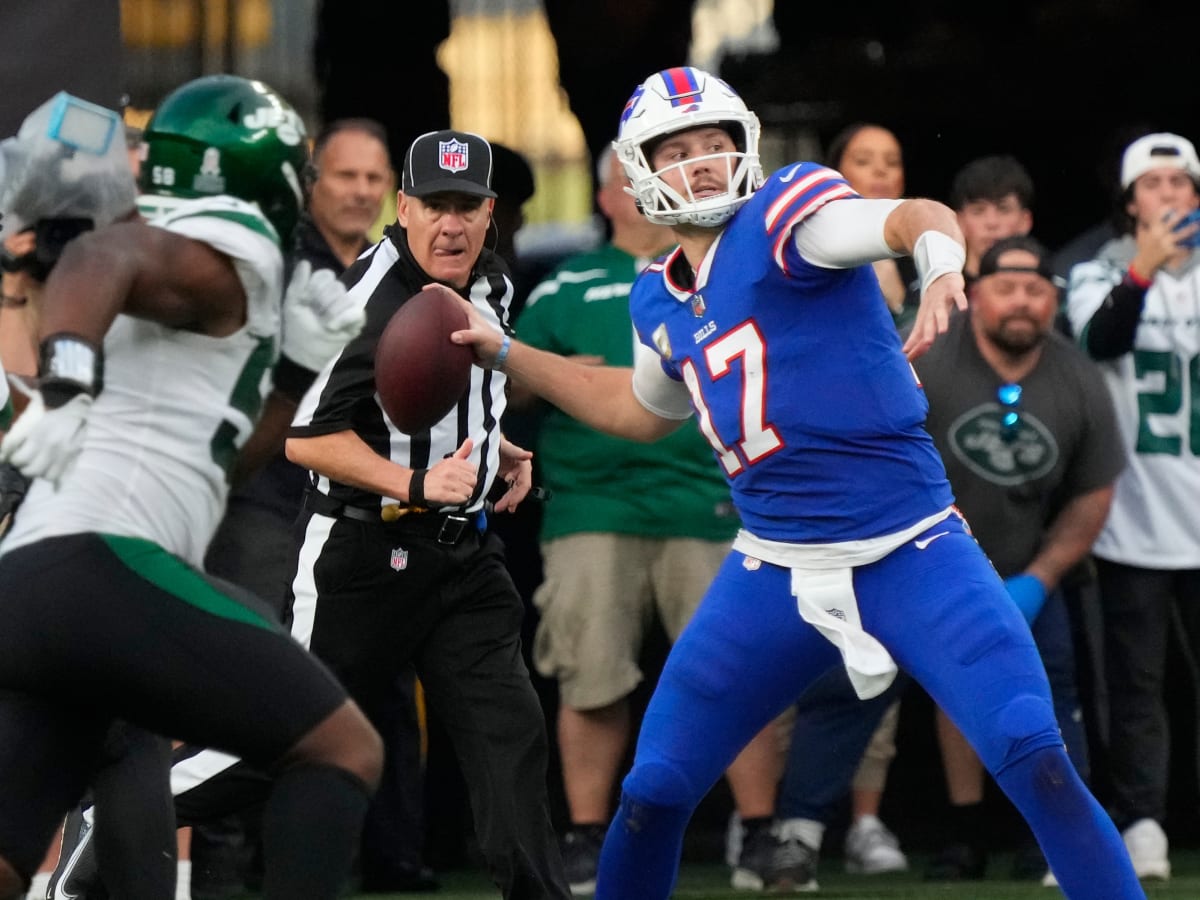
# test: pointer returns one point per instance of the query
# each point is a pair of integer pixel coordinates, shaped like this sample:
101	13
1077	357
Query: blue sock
1081	843
640	858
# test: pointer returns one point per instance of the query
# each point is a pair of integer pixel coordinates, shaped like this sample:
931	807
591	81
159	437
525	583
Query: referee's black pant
378	596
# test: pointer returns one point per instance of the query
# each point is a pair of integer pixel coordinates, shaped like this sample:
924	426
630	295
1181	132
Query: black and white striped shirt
343	398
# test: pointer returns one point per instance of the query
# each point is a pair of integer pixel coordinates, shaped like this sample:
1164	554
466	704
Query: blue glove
1028	593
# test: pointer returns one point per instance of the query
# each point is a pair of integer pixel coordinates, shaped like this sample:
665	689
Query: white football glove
43	443
319	317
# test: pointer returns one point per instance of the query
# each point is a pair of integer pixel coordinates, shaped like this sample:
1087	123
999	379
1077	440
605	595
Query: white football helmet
678	100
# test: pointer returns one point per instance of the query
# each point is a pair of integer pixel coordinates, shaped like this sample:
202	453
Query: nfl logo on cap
448	160
452	156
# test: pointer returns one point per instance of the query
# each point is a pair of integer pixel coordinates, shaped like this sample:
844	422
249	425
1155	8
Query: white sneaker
1147	846
872	849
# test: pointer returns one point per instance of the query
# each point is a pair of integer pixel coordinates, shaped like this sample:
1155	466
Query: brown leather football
419	374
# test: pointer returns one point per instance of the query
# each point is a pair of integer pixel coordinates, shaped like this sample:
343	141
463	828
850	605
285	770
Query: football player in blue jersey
768	325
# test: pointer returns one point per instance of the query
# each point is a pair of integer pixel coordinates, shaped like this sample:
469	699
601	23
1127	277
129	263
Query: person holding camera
41	221
49	200
1135	308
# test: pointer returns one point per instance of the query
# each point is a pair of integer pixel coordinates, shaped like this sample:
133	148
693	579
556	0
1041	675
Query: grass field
711	882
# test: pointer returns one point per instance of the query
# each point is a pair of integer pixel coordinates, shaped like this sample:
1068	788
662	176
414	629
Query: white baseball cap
1154	151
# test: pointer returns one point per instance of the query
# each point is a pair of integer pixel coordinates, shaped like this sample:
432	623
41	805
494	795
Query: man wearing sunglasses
1027	431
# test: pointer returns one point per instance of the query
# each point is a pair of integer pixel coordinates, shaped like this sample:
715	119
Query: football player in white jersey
156	347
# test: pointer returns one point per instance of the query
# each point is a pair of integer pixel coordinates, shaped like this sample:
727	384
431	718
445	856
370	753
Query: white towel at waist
822	583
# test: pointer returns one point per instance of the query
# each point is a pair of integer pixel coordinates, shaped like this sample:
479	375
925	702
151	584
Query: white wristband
936	253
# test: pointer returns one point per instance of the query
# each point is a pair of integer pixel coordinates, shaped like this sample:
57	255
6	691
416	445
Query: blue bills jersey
796	374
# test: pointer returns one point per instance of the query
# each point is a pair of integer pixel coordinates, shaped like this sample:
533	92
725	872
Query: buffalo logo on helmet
632	103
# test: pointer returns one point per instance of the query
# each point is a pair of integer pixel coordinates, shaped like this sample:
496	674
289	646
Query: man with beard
1029	440
1028	434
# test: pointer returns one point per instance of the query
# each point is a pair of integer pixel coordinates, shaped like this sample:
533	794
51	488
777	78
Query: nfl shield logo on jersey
399	559
452	155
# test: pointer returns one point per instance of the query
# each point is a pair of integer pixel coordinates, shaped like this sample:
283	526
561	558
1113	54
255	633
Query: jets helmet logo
287	123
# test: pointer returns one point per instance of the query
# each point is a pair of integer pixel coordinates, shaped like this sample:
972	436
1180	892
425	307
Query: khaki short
600	595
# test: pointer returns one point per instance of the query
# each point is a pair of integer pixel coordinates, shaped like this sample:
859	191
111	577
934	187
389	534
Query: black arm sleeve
1111	331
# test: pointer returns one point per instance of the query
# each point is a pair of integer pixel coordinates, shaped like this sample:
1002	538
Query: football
419	374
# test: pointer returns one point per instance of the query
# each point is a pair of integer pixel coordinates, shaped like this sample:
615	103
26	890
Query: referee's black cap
448	160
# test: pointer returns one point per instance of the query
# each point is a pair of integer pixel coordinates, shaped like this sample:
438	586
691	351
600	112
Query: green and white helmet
222	134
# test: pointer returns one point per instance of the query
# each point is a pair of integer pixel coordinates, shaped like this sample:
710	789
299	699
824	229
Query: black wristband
68	365
416	487
292	379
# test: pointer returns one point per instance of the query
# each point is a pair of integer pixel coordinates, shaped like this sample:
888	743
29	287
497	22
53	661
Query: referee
396	564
